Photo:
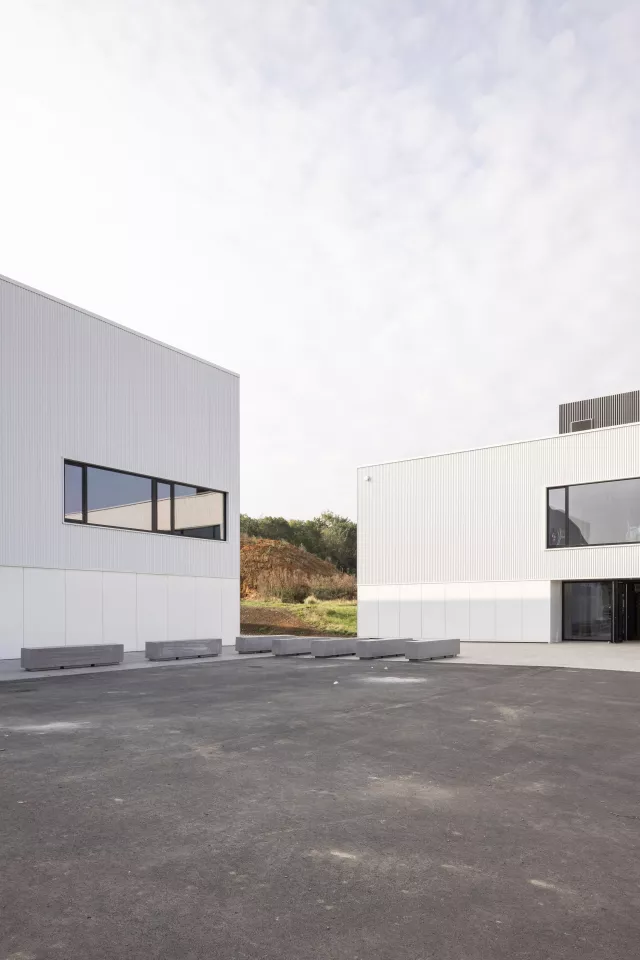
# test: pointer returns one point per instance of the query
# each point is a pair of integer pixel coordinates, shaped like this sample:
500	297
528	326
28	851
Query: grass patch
334	617
330	616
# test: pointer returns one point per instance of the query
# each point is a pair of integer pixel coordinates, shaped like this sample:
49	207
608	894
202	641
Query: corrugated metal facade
603	411
479	515
75	386
455	545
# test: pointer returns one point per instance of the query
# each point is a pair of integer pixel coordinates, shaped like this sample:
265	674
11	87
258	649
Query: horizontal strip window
590	514
101	497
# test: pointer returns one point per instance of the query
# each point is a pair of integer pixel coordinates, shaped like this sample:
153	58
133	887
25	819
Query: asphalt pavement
293	809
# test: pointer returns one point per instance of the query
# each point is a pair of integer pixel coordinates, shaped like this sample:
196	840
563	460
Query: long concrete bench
58	658
256	644
182	649
333	646
366	649
431	649
290	646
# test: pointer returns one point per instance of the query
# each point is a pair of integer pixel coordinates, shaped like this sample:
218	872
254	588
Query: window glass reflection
587	611
113	498
198	512
72	492
604	512
557	517
118	499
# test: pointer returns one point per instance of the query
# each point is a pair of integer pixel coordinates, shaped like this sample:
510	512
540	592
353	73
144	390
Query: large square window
591	514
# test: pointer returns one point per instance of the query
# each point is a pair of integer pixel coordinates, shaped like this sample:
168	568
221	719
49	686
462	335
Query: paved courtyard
590	656
284	810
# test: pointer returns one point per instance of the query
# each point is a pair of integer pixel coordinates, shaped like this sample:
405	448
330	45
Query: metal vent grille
601	412
581	425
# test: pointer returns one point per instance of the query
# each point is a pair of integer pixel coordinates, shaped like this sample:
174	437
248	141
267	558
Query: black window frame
578	546
557	546
154	502
83	467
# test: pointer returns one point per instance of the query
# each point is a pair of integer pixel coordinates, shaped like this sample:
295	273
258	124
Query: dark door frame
622	596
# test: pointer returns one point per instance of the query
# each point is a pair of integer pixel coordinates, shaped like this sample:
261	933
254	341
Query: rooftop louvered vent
610	411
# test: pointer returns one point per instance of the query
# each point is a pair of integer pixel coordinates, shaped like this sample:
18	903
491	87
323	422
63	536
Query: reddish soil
277	560
272	621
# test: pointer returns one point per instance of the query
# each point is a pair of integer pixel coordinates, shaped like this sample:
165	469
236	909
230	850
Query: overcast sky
410	225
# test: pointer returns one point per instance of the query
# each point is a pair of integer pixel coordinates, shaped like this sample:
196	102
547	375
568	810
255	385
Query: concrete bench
366	649
333	646
431	649
290	646
59	658
256	644
182	649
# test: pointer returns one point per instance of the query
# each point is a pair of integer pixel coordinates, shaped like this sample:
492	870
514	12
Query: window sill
593	546
149	533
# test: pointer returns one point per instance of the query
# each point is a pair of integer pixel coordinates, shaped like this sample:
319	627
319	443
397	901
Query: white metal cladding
480	515
75	386
42	607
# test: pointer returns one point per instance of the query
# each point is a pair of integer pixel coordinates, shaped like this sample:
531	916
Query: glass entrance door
588	610
626	626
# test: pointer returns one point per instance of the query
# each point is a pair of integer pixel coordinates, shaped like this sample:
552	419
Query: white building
119	483
532	541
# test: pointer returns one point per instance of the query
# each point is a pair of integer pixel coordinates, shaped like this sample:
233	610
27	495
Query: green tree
271	528
328	536
308	535
339	540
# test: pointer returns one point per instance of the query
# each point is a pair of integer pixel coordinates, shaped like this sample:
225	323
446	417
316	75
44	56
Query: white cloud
410	226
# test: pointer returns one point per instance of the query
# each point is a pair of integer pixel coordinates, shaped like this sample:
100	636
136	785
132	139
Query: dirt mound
273	558
272	620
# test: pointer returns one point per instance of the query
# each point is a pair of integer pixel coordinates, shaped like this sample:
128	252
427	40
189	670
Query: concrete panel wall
208	609
44	607
12	609
83	607
230	597
368	619
410	610
536	610
509	611
181	608
433	611
457	614
151	608
389	611
119	607
482	611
